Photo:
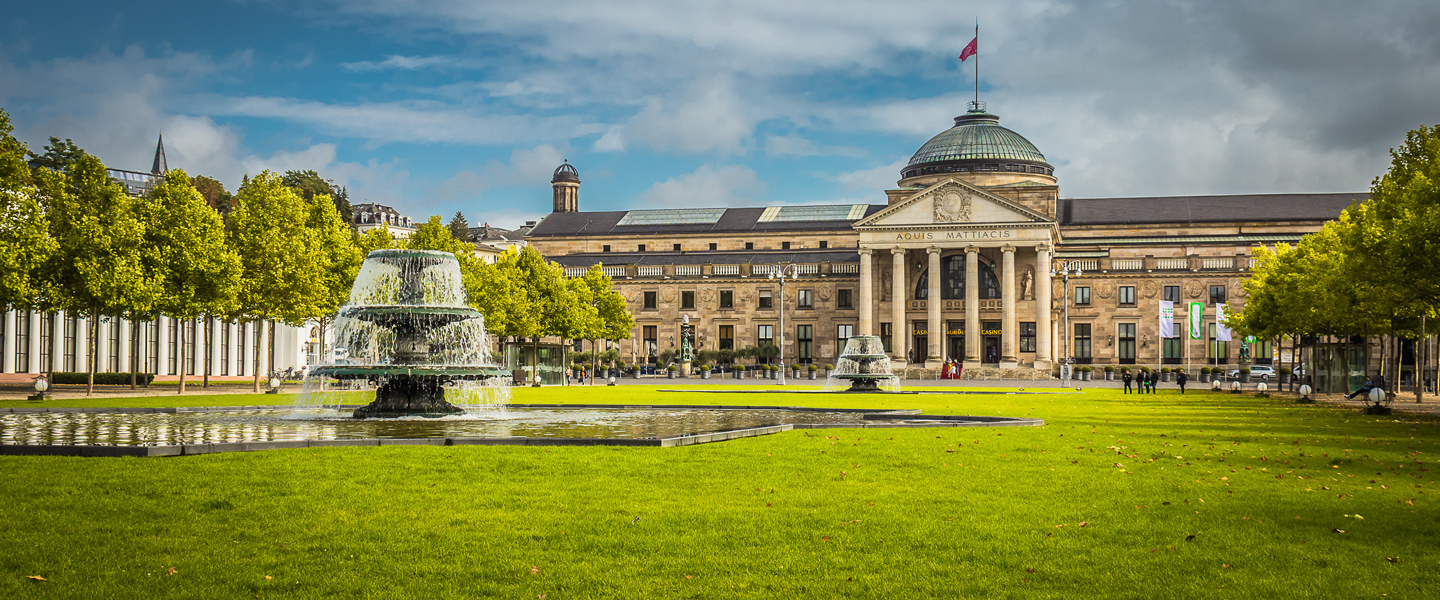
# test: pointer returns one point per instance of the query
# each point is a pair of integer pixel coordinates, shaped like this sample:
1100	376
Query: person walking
1181	379
1125	376
1154	380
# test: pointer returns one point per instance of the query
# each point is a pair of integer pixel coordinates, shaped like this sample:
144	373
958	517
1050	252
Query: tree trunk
180	347
1420	362
320	357
134	352
259	329
535	363
93	362
209	342
272	346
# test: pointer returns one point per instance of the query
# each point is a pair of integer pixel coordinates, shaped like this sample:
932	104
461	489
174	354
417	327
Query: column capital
897	251
864	251
933	249
1008	249
971	249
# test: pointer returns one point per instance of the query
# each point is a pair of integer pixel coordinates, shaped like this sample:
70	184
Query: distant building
372	216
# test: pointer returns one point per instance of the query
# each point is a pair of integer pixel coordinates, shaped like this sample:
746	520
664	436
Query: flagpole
977	62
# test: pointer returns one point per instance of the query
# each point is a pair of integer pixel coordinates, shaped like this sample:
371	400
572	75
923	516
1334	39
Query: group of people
951	369
1147	380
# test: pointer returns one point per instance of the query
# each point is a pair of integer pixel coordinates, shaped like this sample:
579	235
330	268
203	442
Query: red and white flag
970	49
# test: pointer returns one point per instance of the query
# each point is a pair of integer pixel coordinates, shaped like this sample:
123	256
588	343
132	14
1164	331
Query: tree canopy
25	242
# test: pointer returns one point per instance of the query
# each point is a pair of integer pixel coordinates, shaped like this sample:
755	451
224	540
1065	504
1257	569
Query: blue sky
439	106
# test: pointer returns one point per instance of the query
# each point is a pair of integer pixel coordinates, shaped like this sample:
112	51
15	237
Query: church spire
159	168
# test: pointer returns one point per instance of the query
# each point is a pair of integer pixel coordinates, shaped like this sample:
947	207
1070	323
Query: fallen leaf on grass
825	539
687	577
171	571
1338	530
1224	566
1395	559
534	570
36	578
1084	523
1032	569
268	578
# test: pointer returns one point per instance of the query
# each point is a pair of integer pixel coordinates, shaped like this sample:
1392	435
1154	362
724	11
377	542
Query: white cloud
707	186
411	63
532	166
708	118
875	180
796	145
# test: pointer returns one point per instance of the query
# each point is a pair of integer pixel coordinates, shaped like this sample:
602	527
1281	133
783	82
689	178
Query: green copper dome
977	142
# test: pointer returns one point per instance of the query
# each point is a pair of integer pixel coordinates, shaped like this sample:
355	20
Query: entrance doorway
955	333
919	351
990	343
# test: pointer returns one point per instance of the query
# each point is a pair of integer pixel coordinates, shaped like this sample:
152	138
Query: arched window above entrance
952	286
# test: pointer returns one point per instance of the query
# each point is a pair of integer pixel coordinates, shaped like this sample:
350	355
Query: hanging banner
1167	319
1222	333
1197	319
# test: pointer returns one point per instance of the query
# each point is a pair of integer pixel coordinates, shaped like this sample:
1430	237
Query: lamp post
1064	270
783	272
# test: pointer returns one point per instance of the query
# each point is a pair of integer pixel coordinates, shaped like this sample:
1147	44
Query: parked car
1260	372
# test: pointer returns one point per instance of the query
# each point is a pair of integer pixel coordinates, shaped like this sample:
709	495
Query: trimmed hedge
102	378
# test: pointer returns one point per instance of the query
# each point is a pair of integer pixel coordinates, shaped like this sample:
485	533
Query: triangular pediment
952	202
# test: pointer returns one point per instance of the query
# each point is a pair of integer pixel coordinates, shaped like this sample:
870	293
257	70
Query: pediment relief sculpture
952	207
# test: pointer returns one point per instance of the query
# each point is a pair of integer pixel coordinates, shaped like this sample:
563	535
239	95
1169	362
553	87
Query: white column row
20	350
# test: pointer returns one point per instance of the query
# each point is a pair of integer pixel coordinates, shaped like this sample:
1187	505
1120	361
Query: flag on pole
970	49
1222	333
1197	319
1167	319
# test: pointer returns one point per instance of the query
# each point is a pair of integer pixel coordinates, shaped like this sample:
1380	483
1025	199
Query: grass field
1164	496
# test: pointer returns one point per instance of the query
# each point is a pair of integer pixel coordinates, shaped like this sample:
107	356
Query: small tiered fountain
865	366
407	334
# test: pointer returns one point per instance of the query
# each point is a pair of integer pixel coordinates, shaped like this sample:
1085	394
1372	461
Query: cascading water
863	367
407	338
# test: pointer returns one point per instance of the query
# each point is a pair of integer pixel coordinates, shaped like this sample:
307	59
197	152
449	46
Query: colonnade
1009	294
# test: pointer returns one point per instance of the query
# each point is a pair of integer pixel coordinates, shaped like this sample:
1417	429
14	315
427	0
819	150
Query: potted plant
738	371
812	369
772	371
1204	374
704	371
829	368
1284	375
1165	374
670	371
795	371
635	371
1109	373
1244	374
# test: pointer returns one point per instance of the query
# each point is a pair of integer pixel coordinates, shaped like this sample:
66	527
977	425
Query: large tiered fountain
865	366
407	334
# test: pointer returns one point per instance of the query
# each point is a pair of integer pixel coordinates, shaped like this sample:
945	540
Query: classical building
956	264
374	216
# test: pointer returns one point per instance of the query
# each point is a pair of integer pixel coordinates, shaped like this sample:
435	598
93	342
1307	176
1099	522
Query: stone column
7	362
57	341
867	304
898	328
162	347
1044	357
932	310
125	358
34	342
1009	295
972	307
82	344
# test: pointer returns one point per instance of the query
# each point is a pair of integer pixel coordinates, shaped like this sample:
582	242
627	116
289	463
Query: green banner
1197	320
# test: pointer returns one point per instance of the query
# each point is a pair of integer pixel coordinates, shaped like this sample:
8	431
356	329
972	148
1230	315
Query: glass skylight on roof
833	212
672	216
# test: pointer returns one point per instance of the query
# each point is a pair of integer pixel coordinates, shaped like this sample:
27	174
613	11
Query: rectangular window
1127	295
749	245
807	299
578	346
1173	349
1081	349
47	344
605	248
842	334
22	341
887	333
174	354
1126	349
650	300
71	324
650	335
714	246
114	353
687	300
805	342
1218	352
727	337
824	244
676	248
784	245
640	248
225	349
1082	295
152	332
243	330
1172	293
1263	350
1027	337
727	299
1217	294
843	298
765	300
764	336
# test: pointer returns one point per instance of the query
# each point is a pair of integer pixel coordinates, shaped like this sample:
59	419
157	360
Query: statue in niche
952	207
1027	287
886	282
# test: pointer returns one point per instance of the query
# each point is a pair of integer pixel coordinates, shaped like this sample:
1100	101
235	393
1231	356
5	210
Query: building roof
565	172
977	135
1205	209
717	258
717	220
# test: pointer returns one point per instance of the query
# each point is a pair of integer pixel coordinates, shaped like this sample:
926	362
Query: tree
310	184
378	238
188	256
459	228
214	193
342	255
58	156
98	268
284	269
610	321
25	242
543	303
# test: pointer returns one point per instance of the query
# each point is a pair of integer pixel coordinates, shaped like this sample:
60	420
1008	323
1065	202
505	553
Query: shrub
812	368
1244	370
1109	369
672	368
1164	369
1285	370
1204	370
704	368
102	378
829	367
1144	369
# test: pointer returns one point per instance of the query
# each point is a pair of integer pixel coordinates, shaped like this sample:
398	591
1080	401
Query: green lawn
1100	503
